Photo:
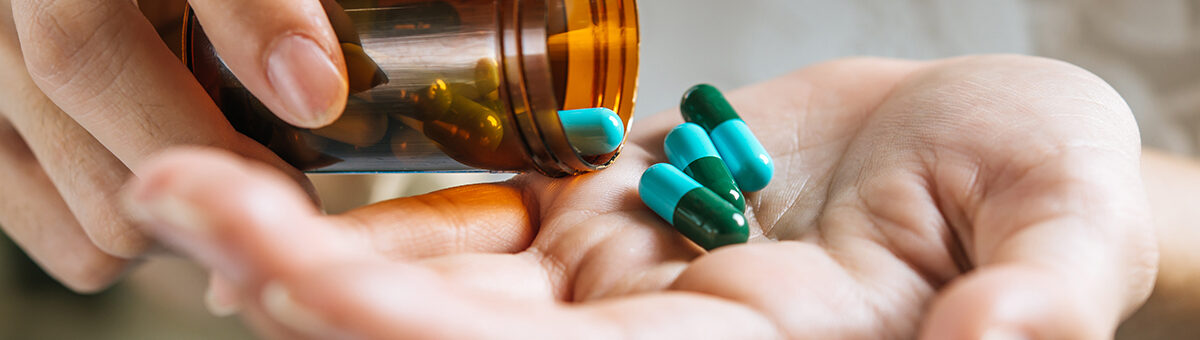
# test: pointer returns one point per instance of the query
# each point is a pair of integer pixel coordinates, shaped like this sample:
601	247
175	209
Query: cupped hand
989	197
90	92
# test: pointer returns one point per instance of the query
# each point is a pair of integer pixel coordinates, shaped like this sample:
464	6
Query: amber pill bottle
451	85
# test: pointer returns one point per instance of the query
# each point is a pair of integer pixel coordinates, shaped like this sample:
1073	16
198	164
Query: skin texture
90	92
977	197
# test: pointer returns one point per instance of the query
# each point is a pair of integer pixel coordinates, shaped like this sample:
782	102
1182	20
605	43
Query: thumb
285	52
1027	301
1061	254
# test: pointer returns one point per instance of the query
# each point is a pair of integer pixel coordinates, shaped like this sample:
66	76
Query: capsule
424	103
689	149
358	126
698	213
487	75
466	125
466	90
363	73
745	156
595	131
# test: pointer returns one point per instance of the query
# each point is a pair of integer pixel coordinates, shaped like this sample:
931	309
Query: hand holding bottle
91	92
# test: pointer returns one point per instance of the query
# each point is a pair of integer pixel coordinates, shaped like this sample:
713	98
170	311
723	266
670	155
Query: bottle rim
611	49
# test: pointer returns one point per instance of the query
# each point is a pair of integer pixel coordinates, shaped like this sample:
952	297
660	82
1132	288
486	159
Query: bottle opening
576	54
593	47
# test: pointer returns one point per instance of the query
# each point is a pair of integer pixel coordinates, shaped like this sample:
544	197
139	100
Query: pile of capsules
713	158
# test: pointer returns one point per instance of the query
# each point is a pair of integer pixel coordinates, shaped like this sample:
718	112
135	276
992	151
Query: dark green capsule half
689	148
695	211
708	225
705	105
711	172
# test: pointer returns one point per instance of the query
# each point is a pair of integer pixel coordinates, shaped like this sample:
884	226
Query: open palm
951	200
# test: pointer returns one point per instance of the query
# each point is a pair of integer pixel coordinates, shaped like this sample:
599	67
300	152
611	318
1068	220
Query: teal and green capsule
695	211
745	156
689	149
595	131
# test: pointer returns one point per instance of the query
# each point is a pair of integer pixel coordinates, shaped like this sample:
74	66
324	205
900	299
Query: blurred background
1149	51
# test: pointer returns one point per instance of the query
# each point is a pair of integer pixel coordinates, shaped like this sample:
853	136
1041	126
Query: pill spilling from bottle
714	157
594	131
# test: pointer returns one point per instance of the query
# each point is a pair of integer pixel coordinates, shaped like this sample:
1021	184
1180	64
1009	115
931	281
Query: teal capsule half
698	213
689	149
745	156
595	131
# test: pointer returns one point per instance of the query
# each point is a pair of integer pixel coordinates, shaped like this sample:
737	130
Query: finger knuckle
115	236
61	37
91	272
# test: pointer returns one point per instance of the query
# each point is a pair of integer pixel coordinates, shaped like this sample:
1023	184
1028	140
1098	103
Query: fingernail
180	226
282	307
307	81
217	305
1003	334
220	298
171	212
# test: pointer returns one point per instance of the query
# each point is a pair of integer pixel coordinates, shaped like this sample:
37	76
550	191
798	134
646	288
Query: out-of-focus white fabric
1148	50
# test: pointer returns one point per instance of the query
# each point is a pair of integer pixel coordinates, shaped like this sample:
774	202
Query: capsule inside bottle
453	85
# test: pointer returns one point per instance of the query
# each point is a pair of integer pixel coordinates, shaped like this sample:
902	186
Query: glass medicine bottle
451	85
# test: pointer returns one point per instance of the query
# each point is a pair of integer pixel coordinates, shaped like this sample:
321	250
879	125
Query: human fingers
285	52
482	218
36	218
221	296
102	63
307	277
1055	221
86	174
488	218
1050	273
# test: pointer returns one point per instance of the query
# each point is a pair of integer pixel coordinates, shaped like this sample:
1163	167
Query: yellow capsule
487	75
466	90
428	103
482	123
468	125
363	72
492	96
358	126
